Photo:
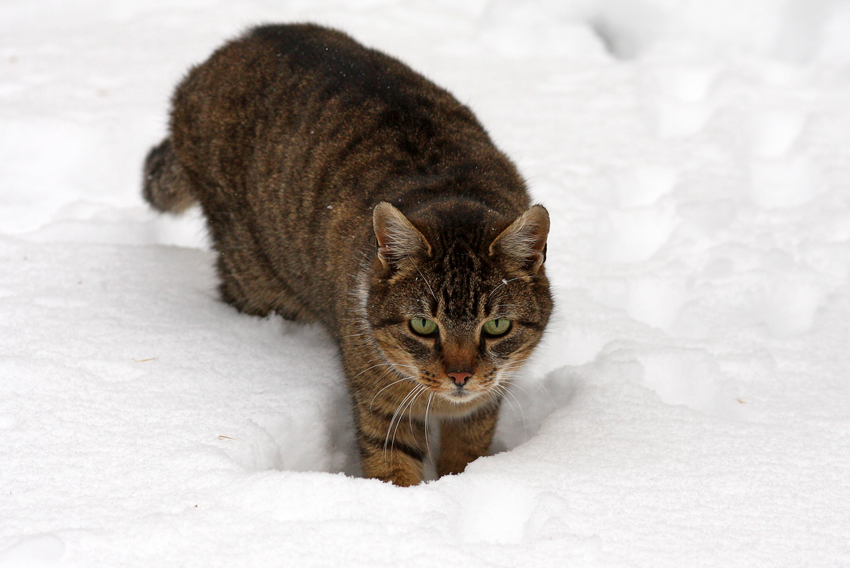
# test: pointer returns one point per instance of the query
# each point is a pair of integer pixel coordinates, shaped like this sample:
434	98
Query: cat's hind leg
165	184
248	280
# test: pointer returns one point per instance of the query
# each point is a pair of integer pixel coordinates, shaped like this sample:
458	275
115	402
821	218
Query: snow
690	405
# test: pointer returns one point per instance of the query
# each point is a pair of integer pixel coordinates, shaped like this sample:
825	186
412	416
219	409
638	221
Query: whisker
386	387
399	409
537	384
426	283
500	390
364	334
419	392
504	282
405	403
387	364
427	408
410	409
507	391
551	398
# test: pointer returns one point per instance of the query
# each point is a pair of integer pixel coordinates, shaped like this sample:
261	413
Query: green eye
422	326
497	327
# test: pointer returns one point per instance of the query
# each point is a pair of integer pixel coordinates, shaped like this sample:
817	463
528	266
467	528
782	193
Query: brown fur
342	187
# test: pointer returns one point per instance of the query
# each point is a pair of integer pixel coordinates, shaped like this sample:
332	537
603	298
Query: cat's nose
460	378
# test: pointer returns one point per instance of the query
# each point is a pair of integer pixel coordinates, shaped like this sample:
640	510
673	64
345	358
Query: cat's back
224	107
307	117
336	63
291	75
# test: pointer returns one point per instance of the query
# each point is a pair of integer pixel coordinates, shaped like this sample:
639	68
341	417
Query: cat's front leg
466	439
392	445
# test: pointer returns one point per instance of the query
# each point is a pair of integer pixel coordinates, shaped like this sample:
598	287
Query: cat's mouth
461	395
458	395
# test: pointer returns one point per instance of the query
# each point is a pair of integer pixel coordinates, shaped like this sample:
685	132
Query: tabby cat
340	186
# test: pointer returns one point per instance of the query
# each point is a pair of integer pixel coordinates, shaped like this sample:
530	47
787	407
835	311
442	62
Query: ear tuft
525	239
397	238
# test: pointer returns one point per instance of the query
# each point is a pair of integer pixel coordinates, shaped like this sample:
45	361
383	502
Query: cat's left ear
397	238
525	239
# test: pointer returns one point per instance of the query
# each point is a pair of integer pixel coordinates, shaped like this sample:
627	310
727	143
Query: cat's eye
497	327
423	326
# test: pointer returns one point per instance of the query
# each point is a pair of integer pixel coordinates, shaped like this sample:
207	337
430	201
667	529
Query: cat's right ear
524	241
397	238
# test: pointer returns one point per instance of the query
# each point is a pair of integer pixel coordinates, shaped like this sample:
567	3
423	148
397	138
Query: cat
341	187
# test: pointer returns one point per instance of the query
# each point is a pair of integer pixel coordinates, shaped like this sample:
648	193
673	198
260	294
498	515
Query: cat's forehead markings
427	307
431	290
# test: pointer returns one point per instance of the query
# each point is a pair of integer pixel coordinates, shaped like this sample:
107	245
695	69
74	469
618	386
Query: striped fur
339	186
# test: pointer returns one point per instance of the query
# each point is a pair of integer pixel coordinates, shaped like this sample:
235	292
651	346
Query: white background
690	405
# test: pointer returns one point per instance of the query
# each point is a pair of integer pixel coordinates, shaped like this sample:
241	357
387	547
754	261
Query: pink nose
460	378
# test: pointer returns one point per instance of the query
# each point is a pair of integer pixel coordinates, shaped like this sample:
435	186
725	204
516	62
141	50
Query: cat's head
458	298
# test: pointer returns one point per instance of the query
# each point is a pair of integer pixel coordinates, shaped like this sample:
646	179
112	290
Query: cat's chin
460	396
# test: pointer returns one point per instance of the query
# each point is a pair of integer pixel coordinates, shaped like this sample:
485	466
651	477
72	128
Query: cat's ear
524	240
397	238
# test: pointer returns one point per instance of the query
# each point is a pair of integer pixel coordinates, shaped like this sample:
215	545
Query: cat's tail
165	184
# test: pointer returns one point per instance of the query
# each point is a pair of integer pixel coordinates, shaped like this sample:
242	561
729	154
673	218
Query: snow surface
690	405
